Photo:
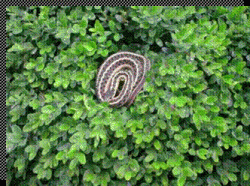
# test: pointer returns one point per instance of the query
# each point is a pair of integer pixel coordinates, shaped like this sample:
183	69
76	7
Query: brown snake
122	67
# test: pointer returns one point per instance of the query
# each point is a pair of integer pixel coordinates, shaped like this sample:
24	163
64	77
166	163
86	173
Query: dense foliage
189	126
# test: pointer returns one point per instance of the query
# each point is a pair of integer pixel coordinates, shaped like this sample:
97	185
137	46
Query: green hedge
189	126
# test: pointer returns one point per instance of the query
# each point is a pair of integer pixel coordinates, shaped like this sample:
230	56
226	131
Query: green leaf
20	163
40	66
177	171
202	153
115	153
163	70
199	87
81	158
98	28
48	109
64	127
174	161
112	25
60	155
159	42
35	104
17	47
30	65
31	149
73	163
215	108
156	10
246	175
143	108
149	158
240	66
157	145
104	53
181	180
117	37
90	46
128	175
77	115
51	68
88	176
76	28
181	101
45	144
134	165
220	121
188	172
228	79
162	124
58	81
232	177
84	23
211	100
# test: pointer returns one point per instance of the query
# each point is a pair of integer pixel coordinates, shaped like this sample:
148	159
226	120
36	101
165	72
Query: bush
189	126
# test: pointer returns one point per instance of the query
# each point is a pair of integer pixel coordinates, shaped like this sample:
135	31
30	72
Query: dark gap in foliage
246	88
37	12
154	47
120	86
128	39
30	110
224	115
191	158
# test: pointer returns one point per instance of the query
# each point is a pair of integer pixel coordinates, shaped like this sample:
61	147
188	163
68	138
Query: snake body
122	67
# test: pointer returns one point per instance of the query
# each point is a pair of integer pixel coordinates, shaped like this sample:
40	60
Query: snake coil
124	69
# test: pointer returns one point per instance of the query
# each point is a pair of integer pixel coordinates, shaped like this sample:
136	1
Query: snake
121	77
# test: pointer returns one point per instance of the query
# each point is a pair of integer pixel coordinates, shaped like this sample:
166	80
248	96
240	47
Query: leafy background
189	126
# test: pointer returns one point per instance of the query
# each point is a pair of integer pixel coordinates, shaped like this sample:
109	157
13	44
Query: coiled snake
121	77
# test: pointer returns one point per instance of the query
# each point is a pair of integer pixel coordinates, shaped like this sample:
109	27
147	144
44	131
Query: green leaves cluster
189	125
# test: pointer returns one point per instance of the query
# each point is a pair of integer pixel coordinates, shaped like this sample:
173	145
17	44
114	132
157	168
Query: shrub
189	126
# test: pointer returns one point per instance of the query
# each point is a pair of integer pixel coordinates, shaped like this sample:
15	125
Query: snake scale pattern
121	77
